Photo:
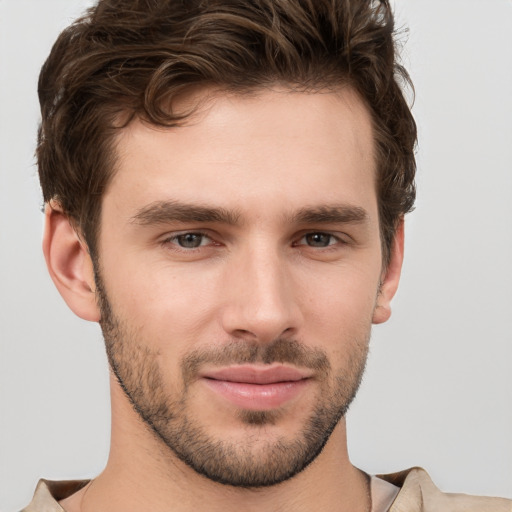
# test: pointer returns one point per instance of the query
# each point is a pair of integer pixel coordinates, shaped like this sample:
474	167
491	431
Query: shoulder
48	493
419	494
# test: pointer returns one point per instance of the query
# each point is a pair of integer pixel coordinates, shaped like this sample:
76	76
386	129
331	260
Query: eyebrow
162	212
336	214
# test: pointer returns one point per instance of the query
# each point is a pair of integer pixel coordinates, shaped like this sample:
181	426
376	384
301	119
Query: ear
390	277
69	264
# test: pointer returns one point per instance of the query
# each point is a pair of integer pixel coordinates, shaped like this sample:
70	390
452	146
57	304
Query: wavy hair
130	58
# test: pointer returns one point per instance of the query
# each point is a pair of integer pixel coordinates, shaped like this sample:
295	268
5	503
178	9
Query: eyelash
332	238
173	240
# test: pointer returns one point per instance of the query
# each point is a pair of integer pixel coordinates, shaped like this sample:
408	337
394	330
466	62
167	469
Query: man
225	186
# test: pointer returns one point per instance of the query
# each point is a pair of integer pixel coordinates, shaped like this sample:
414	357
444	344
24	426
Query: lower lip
257	397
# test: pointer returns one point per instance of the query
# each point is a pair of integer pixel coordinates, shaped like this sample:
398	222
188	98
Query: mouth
257	388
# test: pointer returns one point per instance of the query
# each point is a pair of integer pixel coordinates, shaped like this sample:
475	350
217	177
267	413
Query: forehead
274	148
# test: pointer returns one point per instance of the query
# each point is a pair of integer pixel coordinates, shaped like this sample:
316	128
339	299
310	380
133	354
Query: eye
189	240
318	240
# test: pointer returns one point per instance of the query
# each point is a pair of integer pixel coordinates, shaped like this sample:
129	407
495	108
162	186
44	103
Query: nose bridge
261	303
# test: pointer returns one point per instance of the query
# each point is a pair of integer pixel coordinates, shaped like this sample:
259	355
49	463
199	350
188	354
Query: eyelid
341	238
170	239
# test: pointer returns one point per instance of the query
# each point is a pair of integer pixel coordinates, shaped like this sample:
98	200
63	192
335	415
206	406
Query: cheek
162	302
342	295
183	303
338	314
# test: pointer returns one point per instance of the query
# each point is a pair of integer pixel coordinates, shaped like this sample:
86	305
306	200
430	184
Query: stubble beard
255	462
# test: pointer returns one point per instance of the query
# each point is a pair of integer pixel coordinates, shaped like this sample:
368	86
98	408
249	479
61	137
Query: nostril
242	333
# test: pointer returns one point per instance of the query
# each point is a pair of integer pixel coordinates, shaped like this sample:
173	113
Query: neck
144	474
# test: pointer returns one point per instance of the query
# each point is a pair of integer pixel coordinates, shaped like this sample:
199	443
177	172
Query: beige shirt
383	494
416	493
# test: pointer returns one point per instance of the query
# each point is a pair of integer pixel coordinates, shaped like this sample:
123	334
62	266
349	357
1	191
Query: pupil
190	240
318	239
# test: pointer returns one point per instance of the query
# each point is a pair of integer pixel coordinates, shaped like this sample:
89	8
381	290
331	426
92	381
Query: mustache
243	352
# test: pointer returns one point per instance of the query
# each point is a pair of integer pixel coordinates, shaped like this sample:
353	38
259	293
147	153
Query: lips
254	387
252	374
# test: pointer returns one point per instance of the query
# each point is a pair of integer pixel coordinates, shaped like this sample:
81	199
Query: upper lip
255	374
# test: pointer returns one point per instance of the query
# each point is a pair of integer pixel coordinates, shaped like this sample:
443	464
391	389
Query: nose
260	302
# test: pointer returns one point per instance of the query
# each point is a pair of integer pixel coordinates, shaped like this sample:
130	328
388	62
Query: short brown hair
130	58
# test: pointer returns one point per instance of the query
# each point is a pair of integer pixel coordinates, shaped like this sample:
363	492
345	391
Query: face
239	272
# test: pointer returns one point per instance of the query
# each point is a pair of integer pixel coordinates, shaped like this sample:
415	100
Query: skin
261	276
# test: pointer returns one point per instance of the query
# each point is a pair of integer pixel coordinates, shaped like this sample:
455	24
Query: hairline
202	95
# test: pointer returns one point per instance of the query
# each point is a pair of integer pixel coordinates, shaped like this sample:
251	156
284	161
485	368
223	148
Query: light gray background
438	390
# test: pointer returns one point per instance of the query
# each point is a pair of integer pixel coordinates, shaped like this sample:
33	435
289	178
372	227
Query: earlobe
390	277
69	264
